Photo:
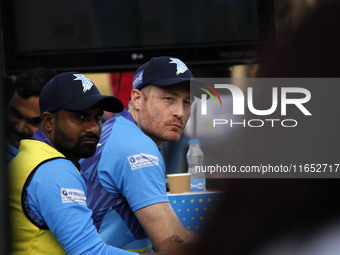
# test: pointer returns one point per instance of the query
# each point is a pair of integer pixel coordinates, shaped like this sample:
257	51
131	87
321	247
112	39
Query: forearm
160	222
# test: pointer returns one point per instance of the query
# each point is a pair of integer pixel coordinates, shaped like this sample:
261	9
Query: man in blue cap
47	201
126	176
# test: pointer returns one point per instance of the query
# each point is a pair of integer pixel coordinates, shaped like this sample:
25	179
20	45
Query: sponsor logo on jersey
142	160
73	196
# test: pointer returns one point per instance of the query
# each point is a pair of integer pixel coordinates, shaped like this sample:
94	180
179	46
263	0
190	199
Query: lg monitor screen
97	35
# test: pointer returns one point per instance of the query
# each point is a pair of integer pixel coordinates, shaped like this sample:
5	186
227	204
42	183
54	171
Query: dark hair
30	83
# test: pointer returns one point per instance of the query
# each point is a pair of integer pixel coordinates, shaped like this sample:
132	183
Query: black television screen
97	35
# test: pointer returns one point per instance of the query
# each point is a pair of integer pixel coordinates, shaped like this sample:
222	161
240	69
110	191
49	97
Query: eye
35	121
99	117
187	102
80	116
15	113
169	98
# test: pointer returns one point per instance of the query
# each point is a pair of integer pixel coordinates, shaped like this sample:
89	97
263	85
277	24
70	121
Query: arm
160	222
57	196
141	182
173	245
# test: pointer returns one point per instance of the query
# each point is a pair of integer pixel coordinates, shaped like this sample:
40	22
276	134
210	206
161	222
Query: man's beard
78	150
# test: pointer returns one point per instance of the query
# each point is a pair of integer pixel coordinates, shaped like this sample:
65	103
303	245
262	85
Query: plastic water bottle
195	161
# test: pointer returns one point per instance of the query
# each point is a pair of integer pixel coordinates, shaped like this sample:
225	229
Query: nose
178	110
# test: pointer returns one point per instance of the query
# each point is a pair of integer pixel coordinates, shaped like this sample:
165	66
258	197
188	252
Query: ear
48	121
137	97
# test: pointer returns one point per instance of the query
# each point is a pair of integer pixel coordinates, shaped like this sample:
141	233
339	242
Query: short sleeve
58	193
132	165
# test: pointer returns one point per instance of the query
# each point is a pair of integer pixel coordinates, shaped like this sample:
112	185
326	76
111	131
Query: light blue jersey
126	174
56	199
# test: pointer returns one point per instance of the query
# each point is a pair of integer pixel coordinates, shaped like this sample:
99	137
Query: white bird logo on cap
86	82
181	67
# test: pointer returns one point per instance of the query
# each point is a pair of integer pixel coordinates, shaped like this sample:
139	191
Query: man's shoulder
39	149
126	140
127	131
57	168
35	151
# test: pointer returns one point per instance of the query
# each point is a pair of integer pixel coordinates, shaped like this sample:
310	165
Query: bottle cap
194	141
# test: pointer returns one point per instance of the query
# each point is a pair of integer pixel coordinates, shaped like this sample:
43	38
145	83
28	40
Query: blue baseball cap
161	71
74	92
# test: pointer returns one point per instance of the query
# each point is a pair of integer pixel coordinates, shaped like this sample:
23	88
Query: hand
171	246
